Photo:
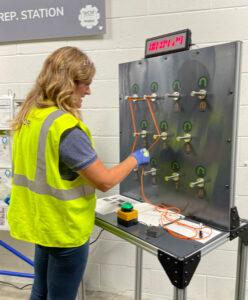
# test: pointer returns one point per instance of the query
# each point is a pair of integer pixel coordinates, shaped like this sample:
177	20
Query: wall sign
44	19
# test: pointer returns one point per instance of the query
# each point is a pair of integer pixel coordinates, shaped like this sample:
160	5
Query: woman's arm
104	178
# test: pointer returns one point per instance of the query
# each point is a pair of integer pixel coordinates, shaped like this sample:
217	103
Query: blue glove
142	156
7	199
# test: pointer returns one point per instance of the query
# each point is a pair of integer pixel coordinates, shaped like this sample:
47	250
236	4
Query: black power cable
97	237
24	287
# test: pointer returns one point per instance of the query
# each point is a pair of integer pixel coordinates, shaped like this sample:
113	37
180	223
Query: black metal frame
238	227
179	270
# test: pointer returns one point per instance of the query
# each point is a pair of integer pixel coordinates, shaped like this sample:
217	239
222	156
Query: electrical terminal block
154	231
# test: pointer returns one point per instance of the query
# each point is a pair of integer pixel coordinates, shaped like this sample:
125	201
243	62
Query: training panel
183	108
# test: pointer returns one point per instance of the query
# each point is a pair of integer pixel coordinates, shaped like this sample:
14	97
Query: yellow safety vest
44	208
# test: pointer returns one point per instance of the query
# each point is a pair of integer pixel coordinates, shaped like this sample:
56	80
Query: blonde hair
56	83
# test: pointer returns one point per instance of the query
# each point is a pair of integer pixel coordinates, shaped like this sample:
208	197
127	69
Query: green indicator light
200	171
187	126
143	124
203	82
154	87
154	162
175	166
145	153
176	85
126	206
135	88
163	126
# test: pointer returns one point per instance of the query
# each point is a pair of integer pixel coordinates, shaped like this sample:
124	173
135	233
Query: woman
56	171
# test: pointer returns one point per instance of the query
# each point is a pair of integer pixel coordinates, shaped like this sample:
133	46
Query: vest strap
43	188
41	159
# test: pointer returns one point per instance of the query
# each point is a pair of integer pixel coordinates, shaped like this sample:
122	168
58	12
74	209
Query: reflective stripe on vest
39	185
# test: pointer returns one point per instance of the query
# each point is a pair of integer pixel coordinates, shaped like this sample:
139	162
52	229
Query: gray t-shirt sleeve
75	150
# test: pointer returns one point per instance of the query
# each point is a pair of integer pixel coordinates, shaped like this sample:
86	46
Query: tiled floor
9	293
106	296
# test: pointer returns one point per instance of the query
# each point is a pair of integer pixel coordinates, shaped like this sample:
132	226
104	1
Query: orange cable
134	126
152	115
155	123
161	207
135	99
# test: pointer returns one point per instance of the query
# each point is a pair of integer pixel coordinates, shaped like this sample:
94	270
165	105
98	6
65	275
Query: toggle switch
200	182
186	138
152	172
153	97
201	94
174	177
174	96
136	173
143	133
163	135
134	98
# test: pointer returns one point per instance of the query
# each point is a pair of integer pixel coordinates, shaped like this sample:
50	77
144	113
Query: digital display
168	43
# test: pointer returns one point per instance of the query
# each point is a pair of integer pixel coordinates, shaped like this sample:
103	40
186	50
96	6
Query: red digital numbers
166	43
153	46
180	39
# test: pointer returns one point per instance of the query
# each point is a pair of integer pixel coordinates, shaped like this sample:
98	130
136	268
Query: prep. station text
30	14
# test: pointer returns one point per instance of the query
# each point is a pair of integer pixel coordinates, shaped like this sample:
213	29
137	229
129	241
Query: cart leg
180	294
241	270
138	273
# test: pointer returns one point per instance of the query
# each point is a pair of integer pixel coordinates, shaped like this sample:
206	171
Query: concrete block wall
129	23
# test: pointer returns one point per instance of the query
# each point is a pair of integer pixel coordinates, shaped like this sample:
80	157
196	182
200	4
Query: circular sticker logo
135	88
175	166
154	87
187	126
89	16
143	124
154	162
200	171
176	85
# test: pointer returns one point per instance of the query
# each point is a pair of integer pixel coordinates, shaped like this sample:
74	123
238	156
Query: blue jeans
58	272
